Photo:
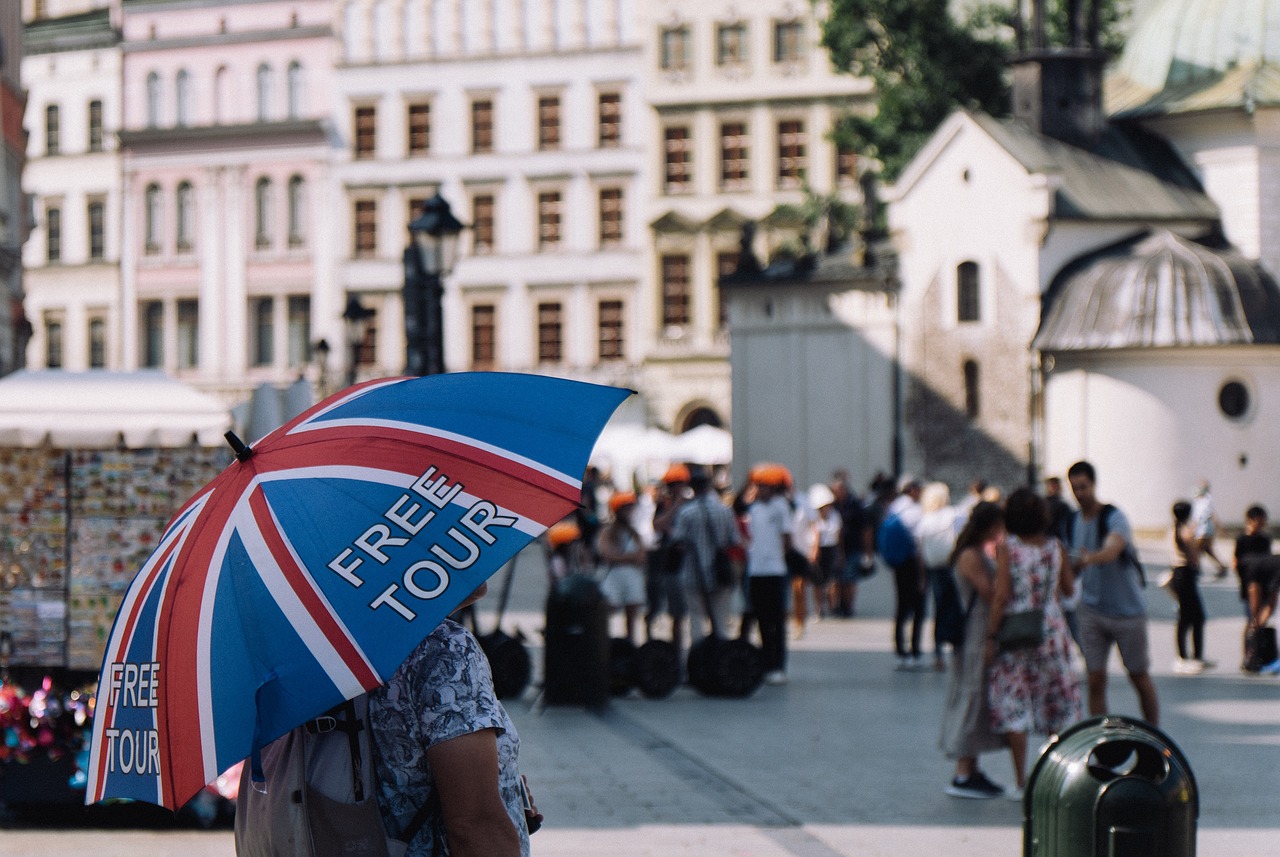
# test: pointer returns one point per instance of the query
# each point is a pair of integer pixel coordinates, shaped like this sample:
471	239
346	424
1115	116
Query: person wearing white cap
828	561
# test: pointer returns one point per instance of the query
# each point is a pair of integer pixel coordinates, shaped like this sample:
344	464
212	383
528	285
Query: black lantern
429	258
356	316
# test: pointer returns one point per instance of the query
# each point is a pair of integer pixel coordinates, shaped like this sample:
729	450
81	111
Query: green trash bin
1110	786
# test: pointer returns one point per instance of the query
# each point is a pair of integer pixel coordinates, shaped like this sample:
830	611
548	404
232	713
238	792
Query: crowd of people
1019	588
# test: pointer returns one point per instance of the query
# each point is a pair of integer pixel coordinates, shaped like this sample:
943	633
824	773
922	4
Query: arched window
968	306
297	90
186	210
182	91
972	402
264	92
152	214
153	100
297	211
262	213
221	95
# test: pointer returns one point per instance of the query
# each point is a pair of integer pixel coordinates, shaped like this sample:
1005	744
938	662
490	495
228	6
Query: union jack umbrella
310	568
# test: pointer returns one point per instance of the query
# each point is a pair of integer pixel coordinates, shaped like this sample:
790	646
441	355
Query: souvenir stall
92	466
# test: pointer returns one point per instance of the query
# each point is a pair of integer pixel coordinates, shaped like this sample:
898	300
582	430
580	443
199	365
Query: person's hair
1181	511
1053	480
1026	513
1082	468
936	495
983	517
1257	512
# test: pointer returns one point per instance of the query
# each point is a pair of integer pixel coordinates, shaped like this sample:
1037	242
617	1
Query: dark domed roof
1160	290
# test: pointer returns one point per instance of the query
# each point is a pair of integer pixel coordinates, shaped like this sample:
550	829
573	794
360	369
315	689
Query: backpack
894	541
313	793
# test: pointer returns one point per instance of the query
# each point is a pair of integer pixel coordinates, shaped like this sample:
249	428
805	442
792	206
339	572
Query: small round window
1233	399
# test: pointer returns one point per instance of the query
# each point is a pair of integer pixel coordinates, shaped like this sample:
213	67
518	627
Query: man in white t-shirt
770	521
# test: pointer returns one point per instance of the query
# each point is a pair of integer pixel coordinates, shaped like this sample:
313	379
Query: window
482	225
182	93
366	216
265	85
792	160
97	230
95	126
188	334
1233	400
731	44
297	211
968	306
674	43
611	220
788	41
550	333
846	165
675	290
484	336
482	126
52	344
366	137
610	333
610	120
971	402
296	82
735	156
419	118
152	334
299	330
549	122
153	100
726	264
185	202
53	234
262	213
97	343
52	130
677	149
549	220
222	98
263	314
367	350
152	213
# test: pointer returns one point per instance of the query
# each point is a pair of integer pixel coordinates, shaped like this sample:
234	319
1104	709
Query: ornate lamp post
429	258
356	316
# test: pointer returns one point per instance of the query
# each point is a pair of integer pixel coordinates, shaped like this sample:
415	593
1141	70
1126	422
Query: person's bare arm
970	566
1109	552
1066	576
466	776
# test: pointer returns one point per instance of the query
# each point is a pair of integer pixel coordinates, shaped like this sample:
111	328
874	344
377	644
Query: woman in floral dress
1033	689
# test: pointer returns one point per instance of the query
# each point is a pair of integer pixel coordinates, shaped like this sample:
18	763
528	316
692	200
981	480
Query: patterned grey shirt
442	691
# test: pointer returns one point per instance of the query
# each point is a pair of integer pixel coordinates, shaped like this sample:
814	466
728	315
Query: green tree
925	64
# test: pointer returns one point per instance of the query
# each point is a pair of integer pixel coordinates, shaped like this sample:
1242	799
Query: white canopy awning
102	409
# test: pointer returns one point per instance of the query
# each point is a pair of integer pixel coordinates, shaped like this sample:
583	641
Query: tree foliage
925	64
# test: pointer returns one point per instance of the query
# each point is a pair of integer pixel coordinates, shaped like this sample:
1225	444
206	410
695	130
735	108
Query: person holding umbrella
442	739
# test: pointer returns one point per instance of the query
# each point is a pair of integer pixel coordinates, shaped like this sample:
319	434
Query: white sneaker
775	678
1188	667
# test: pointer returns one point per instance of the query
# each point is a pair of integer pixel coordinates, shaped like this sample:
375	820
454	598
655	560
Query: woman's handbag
1021	630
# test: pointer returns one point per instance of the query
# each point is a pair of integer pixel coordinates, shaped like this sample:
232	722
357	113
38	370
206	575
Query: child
1186	553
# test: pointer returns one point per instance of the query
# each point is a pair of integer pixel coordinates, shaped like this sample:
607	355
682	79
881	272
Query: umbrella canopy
704	444
310	568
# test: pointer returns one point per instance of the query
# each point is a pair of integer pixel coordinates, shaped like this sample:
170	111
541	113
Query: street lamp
427	260
356	316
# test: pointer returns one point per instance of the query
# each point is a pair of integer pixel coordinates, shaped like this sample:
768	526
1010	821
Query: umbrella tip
243	453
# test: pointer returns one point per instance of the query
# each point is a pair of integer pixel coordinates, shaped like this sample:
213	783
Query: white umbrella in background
704	444
625	450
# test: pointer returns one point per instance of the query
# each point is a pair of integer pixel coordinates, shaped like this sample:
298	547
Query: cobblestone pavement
842	760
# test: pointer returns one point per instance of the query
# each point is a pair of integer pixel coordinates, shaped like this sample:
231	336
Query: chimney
1057	89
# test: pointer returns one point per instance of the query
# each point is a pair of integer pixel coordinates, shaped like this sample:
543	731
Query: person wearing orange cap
770	524
663	587
622	553
566	552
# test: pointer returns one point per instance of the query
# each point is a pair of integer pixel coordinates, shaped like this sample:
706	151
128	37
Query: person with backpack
443	741
1112	611
896	541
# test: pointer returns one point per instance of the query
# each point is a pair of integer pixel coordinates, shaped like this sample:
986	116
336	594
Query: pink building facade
225	155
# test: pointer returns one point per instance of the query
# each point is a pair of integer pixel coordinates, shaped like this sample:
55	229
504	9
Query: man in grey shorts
1112	609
